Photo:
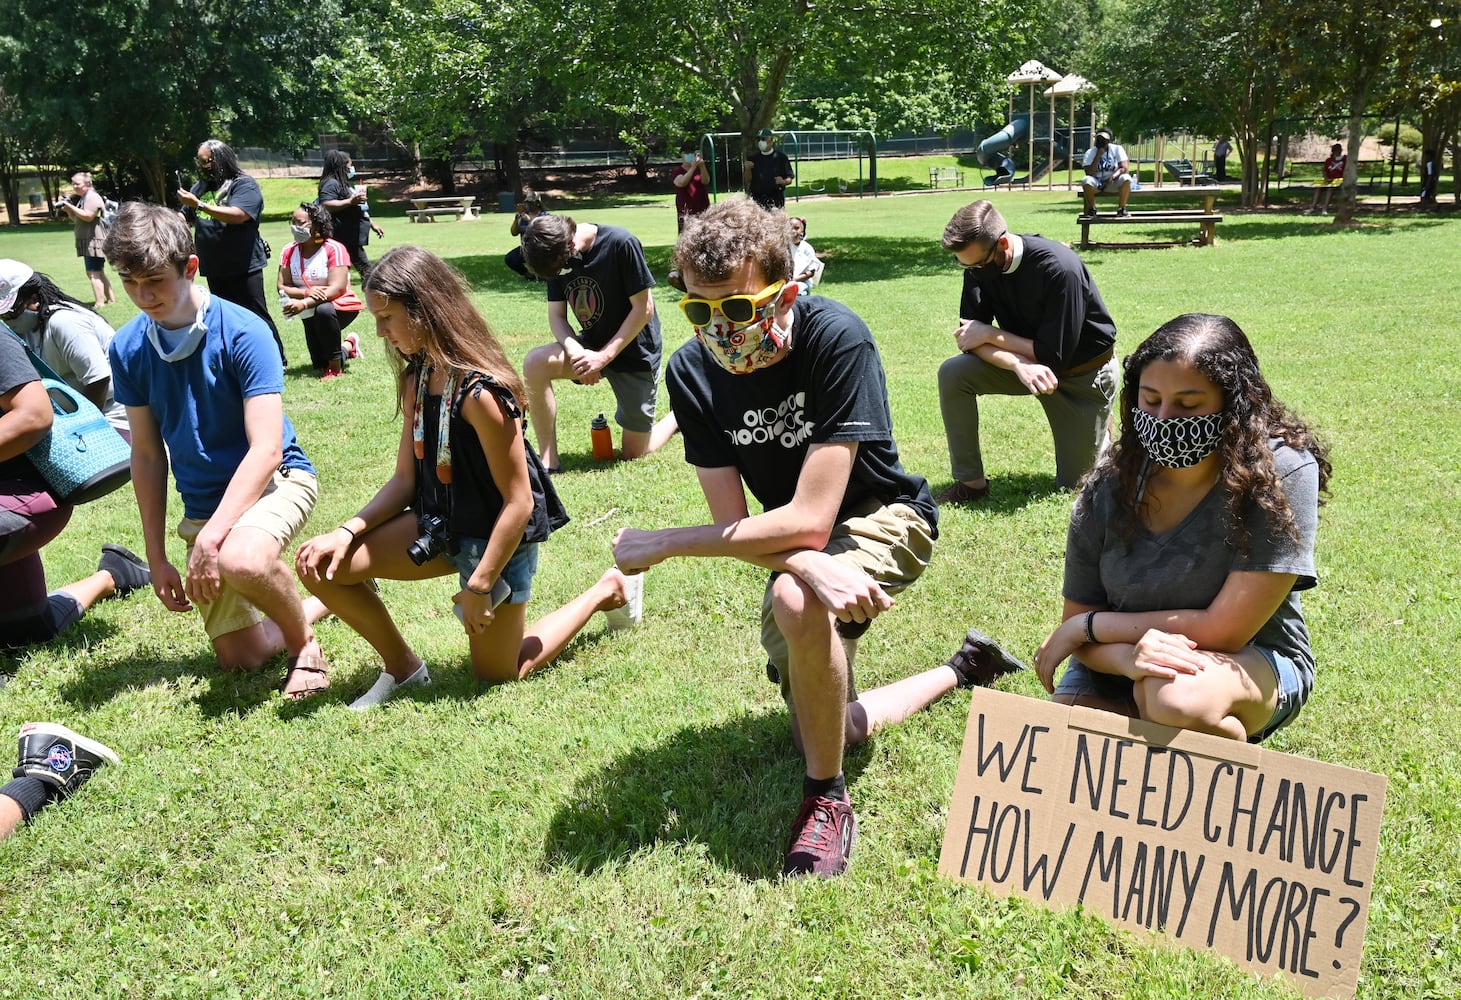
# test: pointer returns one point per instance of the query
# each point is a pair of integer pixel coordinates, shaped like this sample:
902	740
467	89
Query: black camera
435	540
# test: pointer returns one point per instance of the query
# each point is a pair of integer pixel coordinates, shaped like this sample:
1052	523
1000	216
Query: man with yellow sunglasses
786	397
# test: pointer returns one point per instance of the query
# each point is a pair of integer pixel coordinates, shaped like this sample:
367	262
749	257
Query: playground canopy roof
1069	86
1033	71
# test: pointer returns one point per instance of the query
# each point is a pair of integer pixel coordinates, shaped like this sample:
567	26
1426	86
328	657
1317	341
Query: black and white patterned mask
1177	442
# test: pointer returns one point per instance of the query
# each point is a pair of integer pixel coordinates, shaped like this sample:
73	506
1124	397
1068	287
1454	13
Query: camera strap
443	422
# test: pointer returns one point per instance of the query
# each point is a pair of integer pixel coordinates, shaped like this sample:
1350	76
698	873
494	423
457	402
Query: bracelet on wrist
480	593
347	528
1090	632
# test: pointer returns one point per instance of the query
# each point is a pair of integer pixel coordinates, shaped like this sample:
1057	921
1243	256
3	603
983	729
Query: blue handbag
83	457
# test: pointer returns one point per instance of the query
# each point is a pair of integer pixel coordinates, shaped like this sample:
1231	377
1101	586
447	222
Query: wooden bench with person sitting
1206	217
427	209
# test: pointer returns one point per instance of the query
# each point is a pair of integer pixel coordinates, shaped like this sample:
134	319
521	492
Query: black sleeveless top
471	503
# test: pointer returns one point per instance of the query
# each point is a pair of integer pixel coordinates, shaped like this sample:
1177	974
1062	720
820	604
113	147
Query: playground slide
992	151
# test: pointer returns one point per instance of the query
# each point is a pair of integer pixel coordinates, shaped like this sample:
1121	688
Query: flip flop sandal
313	665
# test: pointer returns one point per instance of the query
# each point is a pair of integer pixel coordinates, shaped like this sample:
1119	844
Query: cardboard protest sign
1263	856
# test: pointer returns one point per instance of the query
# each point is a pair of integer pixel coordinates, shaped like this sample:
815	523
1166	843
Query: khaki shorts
280	513
891	544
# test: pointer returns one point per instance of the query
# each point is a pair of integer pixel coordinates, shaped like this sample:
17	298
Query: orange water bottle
603	439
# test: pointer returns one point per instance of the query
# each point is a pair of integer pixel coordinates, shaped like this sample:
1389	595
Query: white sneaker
632	613
386	686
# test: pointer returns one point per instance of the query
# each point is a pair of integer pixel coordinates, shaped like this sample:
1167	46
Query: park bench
938	175
427	209
1205	218
1184	172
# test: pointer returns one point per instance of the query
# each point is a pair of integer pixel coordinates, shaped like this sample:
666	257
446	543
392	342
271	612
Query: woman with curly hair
1189	544
314	284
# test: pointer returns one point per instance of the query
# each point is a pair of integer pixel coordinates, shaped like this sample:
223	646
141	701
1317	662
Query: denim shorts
94	265
518	572
1291	693
1079	679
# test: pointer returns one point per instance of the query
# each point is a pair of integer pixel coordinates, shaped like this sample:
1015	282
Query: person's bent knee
541	363
798	612
955	373
245	561
1179	705
241	650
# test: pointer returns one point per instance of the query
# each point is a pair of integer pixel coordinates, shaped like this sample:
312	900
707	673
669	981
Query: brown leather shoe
959	493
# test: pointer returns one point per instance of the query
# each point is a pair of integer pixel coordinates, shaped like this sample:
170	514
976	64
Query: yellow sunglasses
736	308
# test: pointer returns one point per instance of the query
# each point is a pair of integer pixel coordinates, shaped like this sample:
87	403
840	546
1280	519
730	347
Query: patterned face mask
743	349
1177	442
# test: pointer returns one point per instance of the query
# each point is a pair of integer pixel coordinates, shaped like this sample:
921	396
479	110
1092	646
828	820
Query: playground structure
1044	132
1039	128
716	148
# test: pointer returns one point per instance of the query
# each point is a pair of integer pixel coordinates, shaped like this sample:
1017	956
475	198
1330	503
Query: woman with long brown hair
468	494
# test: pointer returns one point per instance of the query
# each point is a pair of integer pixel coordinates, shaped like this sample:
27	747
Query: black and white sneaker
981	661
64	760
128	570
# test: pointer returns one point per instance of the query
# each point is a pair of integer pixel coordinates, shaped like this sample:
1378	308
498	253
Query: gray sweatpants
1077	411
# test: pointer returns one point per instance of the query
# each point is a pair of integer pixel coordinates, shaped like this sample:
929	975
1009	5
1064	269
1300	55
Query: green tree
876	64
1217	67
446	76
142	82
1349	52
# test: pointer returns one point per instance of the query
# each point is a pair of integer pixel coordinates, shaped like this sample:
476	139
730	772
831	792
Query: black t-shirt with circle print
830	387
597	291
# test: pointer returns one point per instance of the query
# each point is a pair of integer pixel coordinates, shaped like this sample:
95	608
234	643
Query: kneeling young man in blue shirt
202	382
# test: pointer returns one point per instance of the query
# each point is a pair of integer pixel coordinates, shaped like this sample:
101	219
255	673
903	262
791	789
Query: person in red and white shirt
314	284
1333	177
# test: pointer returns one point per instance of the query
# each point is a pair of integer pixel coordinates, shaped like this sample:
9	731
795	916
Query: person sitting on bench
1333	177
1107	170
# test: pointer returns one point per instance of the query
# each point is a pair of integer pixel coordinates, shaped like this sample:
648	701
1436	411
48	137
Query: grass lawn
613	827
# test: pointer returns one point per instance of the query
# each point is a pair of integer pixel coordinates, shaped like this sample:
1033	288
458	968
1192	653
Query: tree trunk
439	169
1348	194
50	189
11	184
152	176
510	154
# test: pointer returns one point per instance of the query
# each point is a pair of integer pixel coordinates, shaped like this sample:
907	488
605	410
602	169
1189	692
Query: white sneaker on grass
386	686
632	613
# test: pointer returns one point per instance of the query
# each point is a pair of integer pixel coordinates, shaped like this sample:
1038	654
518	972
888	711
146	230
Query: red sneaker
821	839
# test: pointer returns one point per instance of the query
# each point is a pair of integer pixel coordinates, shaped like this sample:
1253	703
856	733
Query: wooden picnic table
1206	217
464	207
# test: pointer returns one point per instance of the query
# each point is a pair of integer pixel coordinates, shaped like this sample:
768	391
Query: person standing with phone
87	214
692	183
224	208
346	201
